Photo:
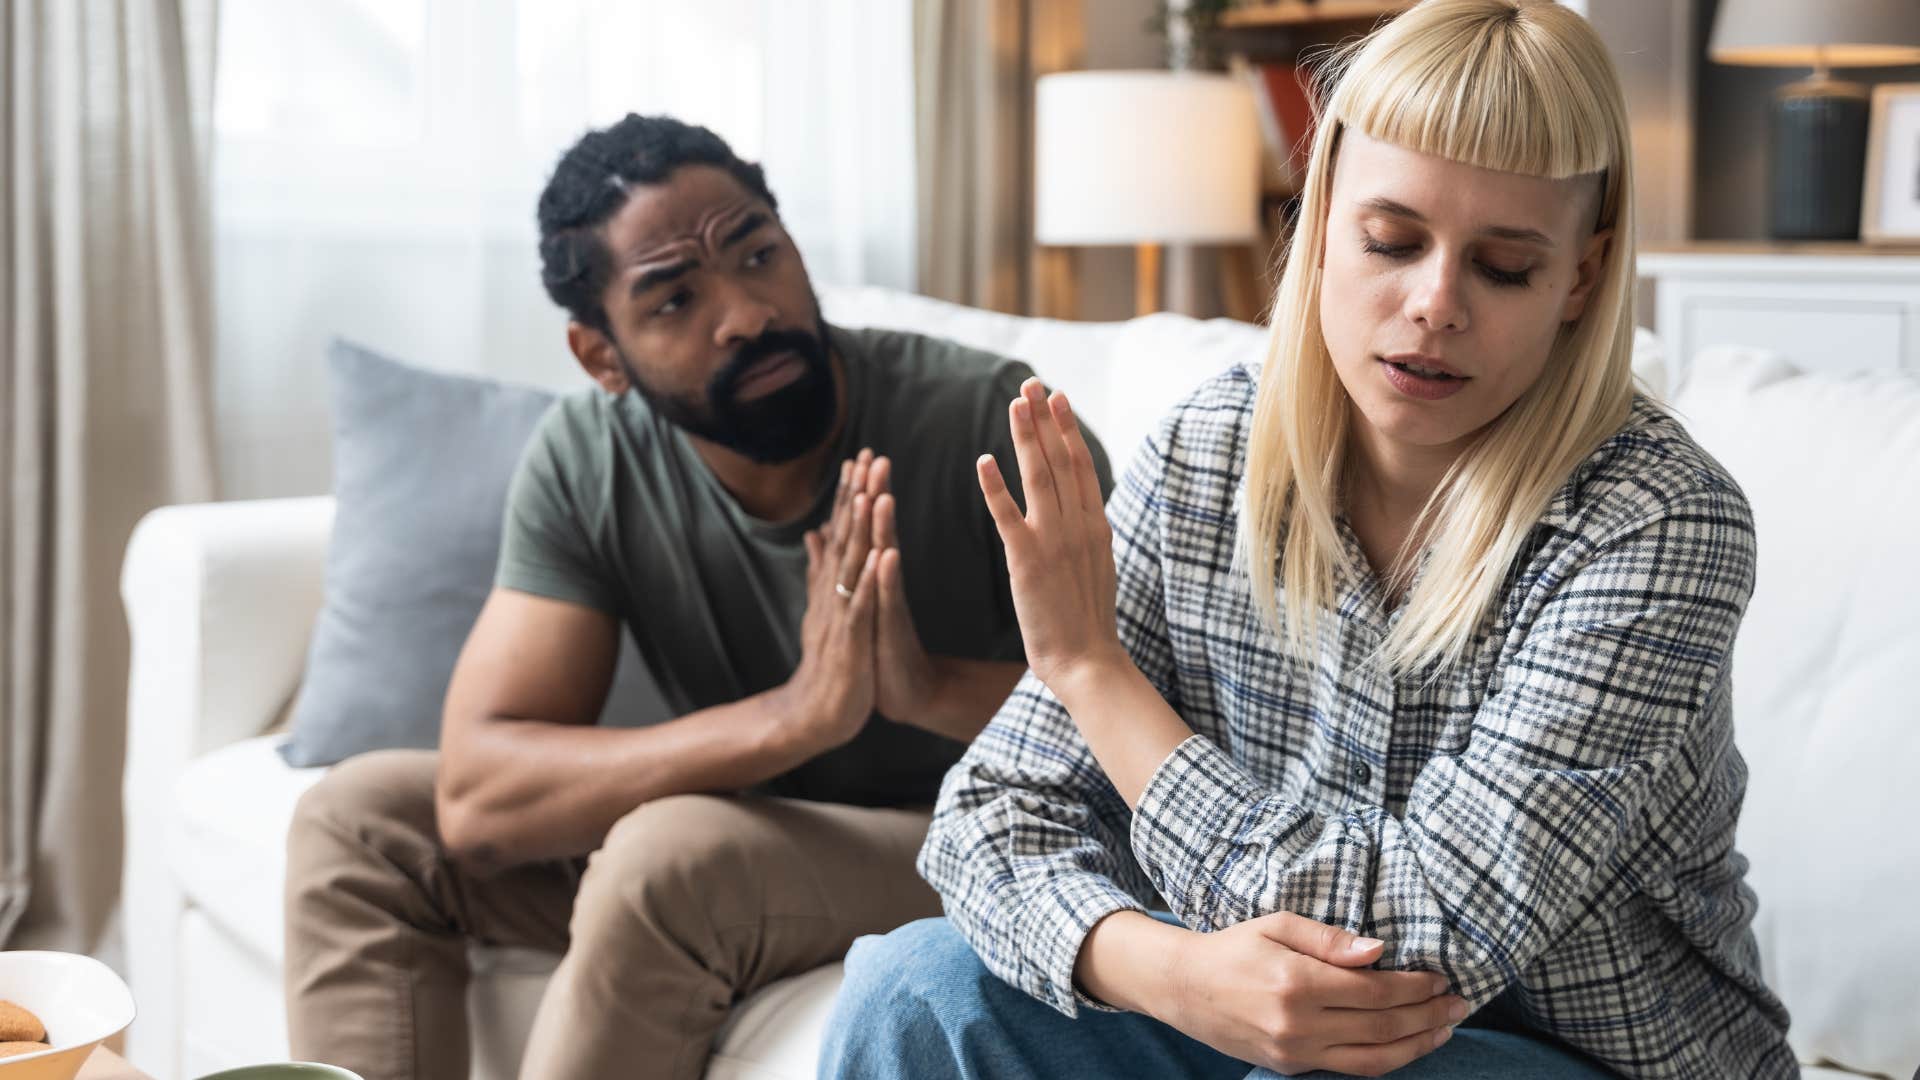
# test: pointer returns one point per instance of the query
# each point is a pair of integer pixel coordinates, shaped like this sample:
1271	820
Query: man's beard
776	427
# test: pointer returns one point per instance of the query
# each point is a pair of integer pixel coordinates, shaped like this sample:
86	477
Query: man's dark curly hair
591	184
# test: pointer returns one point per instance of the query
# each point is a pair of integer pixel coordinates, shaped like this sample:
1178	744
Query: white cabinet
1823	310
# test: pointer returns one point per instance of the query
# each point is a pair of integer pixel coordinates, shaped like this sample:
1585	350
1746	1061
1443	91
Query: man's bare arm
524	772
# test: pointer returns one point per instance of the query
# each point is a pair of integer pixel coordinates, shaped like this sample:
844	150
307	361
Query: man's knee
666	863
371	801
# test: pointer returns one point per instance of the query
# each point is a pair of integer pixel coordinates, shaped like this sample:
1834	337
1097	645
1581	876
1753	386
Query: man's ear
1592	262
598	357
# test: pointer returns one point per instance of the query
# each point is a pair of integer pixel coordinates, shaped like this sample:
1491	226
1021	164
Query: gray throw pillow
421	463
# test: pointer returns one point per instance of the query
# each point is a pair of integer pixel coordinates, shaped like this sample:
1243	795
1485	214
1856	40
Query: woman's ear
1592	262
598	357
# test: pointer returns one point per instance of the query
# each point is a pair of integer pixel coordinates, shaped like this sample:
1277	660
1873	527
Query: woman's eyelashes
1494	274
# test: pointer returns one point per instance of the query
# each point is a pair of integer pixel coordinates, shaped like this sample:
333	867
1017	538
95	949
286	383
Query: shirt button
1360	773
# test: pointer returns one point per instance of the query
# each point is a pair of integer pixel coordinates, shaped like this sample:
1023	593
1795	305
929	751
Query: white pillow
1825	705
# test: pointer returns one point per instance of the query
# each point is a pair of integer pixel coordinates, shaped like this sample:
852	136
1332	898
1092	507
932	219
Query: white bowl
80	1000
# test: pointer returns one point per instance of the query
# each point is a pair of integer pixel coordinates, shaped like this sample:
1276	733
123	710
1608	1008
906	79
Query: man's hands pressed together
860	652
831	693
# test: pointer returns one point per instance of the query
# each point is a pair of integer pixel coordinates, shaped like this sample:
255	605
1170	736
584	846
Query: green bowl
286	1070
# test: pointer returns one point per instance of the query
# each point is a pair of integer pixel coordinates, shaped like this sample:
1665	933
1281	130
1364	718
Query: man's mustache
771	343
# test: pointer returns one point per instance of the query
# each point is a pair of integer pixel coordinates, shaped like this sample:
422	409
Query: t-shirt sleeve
545	542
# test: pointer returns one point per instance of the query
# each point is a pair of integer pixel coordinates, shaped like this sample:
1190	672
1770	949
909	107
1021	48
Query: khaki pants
692	902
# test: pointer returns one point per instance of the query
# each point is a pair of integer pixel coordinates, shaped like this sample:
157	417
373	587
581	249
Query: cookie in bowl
71	1002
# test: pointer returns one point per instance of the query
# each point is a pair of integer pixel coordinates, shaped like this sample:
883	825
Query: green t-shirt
611	508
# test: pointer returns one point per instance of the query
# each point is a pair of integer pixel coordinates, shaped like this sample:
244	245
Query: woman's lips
1419	386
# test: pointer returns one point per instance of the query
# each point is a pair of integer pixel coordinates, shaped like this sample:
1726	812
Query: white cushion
227	840
1824	691
1123	377
775	1034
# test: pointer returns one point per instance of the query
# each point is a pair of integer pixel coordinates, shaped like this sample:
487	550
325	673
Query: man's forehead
689	208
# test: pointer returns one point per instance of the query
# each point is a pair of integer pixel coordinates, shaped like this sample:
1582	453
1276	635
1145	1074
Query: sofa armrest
220	601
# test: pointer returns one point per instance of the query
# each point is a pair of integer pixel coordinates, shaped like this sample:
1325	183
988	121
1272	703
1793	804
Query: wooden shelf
1310	13
1781	247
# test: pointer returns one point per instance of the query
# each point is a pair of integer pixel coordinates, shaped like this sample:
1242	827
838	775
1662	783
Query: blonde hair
1521	86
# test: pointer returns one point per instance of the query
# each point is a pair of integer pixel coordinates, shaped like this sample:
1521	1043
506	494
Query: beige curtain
105	344
975	62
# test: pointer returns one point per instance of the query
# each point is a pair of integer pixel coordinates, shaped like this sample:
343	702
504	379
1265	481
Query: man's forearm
966	694
515	791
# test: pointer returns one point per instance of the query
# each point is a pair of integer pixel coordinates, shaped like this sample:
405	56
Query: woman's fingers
1006	513
1048	432
1079	455
1385	1057
1367	988
1036	477
1378	1027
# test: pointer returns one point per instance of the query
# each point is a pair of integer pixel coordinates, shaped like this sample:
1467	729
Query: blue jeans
918	1004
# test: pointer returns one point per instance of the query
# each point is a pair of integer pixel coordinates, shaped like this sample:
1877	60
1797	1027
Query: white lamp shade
1805	33
1135	157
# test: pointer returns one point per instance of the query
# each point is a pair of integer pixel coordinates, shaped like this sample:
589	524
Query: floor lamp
1145	158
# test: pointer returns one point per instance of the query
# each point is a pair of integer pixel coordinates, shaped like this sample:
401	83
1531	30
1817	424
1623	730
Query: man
784	516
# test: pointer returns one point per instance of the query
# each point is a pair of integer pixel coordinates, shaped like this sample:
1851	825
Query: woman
1401	673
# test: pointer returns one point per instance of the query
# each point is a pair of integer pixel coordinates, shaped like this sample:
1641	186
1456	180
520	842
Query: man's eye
674	303
760	258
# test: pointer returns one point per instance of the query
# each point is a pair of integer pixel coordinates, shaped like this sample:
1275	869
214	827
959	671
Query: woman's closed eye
1494	274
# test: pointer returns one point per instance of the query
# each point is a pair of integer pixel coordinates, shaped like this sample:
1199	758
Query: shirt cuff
1055	936
1193	803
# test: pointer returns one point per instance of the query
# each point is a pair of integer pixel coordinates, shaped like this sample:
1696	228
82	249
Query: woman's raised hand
1060	553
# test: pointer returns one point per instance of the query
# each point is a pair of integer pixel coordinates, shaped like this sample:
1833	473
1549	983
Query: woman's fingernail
1362	944
1458	1012
1440	1038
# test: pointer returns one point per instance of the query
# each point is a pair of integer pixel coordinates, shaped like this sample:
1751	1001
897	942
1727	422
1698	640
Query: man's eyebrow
1504	232
660	275
744	229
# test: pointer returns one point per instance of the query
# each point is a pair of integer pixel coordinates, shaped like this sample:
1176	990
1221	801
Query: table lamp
1145	158
1819	126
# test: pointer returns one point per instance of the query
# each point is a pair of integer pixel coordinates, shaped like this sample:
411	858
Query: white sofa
221	599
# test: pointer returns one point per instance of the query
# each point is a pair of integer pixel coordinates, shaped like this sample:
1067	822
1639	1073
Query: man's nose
743	316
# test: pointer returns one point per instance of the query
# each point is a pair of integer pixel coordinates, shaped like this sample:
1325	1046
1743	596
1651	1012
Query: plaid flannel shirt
1549	822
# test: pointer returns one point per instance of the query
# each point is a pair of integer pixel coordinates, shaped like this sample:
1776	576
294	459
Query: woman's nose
1435	301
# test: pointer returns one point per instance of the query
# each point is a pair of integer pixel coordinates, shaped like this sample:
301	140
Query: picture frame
1890	203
